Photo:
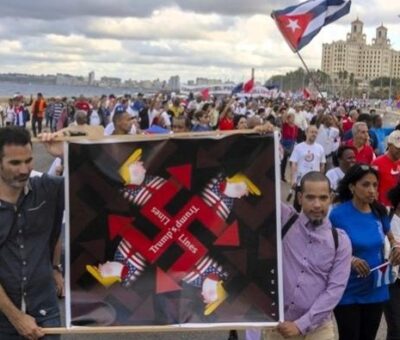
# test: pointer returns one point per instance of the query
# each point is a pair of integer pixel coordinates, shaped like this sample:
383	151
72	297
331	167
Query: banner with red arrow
175	231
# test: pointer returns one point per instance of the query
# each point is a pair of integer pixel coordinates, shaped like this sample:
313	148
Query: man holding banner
316	265
31	211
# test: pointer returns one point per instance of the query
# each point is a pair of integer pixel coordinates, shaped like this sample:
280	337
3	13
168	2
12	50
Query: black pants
283	167
233	335
392	312
358	321
36	121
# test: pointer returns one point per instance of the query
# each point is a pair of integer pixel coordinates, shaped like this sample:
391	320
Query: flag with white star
299	24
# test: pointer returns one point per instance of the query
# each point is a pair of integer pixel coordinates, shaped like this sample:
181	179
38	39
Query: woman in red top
226	117
288	139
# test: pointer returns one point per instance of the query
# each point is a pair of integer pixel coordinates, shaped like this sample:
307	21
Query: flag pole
310	74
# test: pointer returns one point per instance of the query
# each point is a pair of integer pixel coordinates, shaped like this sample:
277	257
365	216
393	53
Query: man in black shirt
31	212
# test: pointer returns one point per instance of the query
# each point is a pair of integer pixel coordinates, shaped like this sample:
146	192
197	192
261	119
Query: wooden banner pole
140	138
145	329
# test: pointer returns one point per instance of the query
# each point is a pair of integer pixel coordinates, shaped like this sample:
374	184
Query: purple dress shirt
315	274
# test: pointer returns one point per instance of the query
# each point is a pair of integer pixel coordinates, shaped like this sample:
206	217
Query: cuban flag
244	87
301	23
237	89
248	86
383	275
205	93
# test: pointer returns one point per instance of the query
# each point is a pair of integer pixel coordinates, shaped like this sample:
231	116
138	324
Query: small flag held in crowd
205	93
238	88
244	87
383	275
299	24
248	86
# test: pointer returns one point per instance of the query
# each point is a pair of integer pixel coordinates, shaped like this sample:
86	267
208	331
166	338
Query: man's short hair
394	196
314	176
342	149
81	117
364	117
353	113
13	135
375	118
356	127
117	116
310	126
199	114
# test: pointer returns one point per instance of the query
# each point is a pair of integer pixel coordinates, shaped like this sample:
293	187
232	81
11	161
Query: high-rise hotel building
365	61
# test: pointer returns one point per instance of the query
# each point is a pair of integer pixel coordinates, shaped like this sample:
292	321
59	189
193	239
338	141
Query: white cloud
162	24
158	38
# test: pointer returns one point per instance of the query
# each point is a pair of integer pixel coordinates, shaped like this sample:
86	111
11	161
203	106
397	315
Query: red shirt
289	132
226	124
389	175
365	155
347	124
82	105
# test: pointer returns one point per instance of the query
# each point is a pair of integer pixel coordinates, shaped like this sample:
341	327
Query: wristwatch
58	267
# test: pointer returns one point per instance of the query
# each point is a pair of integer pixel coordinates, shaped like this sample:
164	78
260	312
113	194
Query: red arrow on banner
118	224
183	174
230	237
165	283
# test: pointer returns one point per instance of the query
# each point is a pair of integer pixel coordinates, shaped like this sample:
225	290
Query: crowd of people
344	167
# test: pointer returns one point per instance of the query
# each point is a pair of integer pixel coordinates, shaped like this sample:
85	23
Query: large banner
179	231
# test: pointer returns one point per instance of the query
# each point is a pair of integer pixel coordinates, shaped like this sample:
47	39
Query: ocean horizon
9	89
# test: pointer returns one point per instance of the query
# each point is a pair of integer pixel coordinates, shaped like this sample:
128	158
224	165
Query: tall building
174	83
365	61
91	78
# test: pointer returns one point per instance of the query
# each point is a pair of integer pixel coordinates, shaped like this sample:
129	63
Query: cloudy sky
149	39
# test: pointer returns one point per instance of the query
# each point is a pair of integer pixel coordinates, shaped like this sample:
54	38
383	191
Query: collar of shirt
27	187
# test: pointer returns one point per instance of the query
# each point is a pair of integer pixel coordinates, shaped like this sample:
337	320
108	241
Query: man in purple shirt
316	266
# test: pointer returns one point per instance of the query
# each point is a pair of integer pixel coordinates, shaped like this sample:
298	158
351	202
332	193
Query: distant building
174	83
146	84
66	79
110	82
364	61
91	78
206	81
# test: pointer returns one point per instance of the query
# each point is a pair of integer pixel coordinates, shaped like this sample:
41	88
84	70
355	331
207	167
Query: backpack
293	219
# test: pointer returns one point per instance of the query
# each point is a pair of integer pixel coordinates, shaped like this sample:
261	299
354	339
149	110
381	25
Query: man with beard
31	211
312	285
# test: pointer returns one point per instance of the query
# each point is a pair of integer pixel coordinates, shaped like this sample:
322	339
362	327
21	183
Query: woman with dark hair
343	160
366	222
240	122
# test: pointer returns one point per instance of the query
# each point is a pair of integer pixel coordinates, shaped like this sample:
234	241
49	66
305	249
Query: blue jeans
12	334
